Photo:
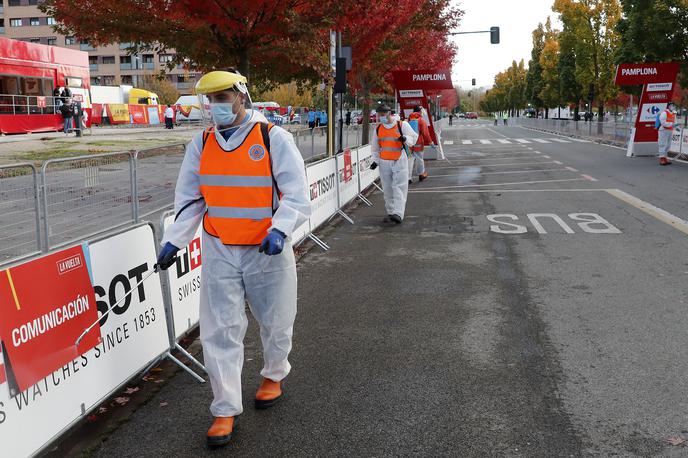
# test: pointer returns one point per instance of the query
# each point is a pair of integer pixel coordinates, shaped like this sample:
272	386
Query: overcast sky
476	57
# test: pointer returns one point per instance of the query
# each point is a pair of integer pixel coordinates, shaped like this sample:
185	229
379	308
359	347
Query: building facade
109	65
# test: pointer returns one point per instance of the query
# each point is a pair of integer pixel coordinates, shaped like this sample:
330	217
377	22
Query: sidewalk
409	341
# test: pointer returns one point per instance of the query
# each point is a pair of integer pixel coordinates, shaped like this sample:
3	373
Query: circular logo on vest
256	152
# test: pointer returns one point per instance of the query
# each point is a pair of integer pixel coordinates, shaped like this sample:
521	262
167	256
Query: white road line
449	142
560	140
500	191
498	133
475	158
499	173
486	142
494	165
521	140
580	140
656	212
545	156
540	140
588	177
571	169
466	142
557	162
503	141
504	184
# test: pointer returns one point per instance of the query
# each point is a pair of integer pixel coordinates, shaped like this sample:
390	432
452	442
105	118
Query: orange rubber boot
268	393
221	431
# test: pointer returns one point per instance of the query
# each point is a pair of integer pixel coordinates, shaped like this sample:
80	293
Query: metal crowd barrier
85	196
19	210
617	132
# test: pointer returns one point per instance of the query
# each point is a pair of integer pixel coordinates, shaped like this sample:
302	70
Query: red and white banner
138	113
40	325
185	283
658	80
347	176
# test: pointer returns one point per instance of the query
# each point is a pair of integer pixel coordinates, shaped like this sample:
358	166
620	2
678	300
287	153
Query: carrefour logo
654	109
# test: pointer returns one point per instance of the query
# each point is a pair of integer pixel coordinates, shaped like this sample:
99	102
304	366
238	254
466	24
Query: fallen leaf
122	400
102	410
131	390
675	440
163	404
156	369
92	418
148	378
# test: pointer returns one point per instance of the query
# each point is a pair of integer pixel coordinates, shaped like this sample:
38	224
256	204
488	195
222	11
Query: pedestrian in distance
496	118
420	126
67	112
390	142
665	124
451	119
347	118
505	117
311	119
169	117
243	179
318	118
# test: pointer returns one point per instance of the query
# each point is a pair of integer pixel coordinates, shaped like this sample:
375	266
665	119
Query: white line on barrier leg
186	369
345	216
319	242
378	188
365	200
191	358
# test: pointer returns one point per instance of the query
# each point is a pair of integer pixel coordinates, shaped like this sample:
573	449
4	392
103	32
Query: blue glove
273	243
167	256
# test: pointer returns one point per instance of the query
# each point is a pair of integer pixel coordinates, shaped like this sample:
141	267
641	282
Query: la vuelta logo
189	258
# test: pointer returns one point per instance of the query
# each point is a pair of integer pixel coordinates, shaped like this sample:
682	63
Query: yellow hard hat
219	81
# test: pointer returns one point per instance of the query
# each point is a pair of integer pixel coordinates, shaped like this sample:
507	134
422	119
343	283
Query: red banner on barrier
139	114
97	113
3	378
348	170
45	305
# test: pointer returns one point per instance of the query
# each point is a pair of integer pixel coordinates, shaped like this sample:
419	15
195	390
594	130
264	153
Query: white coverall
233	273
394	174
664	134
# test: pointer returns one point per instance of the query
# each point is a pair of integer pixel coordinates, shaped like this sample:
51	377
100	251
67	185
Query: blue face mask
222	113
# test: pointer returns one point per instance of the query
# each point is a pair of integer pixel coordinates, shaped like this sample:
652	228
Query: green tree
654	31
593	22
534	77
550	91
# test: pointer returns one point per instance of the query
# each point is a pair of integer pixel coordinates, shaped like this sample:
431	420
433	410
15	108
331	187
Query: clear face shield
222	107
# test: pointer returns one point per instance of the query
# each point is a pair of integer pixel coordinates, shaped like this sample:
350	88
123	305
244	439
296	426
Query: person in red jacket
416	158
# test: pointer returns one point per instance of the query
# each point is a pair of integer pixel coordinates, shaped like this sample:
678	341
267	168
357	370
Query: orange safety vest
238	187
387	138
671	118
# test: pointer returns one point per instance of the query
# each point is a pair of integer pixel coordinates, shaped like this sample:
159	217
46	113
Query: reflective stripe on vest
671	118
238	188
390	146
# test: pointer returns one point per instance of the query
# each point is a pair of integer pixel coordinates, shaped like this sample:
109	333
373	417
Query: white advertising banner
185	283
675	141
347	176
299	233
365	158
650	111
133	334
322	184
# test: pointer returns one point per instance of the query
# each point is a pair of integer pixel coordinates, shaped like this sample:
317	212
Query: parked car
471	115
296	119
462	115
373	118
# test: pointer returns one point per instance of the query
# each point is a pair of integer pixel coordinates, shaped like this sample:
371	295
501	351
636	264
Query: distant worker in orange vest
391	140
420	126
667	122
243	180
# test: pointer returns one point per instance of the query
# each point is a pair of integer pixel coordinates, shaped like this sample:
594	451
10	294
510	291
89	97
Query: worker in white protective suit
244	180
667	124
391	142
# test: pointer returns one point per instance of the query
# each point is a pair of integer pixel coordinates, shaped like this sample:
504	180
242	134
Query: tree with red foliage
389	35
277	39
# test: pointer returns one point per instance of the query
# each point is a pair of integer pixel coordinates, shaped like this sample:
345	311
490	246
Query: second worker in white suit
244	181
391	142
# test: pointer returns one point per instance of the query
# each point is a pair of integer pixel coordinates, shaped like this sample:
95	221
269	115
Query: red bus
29	75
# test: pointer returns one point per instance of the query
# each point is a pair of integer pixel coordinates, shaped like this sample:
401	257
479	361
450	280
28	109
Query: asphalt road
531	304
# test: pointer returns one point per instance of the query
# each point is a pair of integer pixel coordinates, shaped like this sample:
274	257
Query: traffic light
473	82
494	35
